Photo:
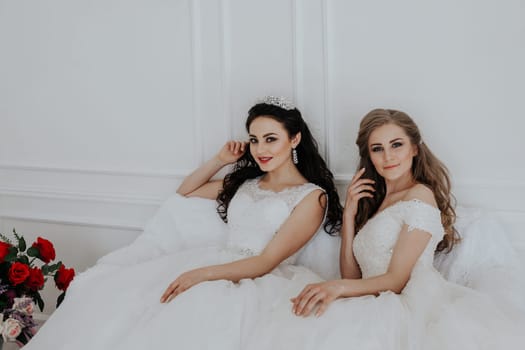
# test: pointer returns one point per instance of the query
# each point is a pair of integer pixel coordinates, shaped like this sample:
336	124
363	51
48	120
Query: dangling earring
295	159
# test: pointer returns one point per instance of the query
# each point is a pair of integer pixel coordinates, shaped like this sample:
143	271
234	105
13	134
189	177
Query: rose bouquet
21	281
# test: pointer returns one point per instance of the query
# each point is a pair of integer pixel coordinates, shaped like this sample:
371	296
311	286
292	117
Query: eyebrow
265	135
391	141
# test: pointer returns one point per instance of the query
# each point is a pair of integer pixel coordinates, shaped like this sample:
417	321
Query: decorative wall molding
327	84
78	211
119	199
297	62
98	198
74	221
226	49
94	171
197	79
79	196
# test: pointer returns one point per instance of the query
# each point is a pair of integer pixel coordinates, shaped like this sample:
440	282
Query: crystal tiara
278	101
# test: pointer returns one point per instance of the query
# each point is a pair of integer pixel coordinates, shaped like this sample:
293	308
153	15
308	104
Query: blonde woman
398	212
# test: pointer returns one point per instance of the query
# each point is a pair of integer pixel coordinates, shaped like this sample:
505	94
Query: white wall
105	105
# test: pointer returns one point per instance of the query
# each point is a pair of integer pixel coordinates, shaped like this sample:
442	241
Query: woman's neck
399	185
284	176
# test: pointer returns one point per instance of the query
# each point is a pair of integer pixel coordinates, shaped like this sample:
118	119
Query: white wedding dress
430	313
115	304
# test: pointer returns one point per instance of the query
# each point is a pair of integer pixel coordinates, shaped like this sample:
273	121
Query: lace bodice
255	215
374	244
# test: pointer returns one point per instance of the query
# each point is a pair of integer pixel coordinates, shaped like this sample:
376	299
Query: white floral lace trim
373	246
419	215
291	195
240	251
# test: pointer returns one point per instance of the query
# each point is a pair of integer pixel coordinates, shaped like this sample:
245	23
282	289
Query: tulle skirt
115	307
118	307
116	303
429	314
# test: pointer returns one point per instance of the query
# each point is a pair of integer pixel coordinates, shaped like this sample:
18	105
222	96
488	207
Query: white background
106	104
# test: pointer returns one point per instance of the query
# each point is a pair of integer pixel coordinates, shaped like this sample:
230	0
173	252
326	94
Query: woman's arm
198	183
295	232
407	250
347	262
358	188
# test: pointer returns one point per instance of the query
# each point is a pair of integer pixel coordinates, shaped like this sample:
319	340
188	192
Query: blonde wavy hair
427	169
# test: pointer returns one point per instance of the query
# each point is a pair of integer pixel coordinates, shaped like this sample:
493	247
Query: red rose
46	251
63	277
35	281
18	273
4	250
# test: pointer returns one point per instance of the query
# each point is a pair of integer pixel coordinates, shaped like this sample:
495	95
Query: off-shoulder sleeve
422	216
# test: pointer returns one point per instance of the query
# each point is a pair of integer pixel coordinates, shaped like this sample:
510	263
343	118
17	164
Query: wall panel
96	85
259	44
451	65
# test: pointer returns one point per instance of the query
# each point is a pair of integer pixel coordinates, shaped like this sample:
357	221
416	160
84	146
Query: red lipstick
264	160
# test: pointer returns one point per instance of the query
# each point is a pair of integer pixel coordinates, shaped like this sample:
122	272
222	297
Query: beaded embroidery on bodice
256	214
374	244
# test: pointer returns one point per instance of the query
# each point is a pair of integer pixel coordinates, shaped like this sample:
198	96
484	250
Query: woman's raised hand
232	151
358	188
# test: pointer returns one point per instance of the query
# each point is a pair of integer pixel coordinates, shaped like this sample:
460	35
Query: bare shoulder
421	192
315	199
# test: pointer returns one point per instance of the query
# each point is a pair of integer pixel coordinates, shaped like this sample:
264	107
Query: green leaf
39	301
17	236
54	267
60	299
33	252
10	257
22	244
23	259
45	269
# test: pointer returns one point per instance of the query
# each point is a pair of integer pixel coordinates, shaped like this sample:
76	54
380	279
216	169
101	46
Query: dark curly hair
311	165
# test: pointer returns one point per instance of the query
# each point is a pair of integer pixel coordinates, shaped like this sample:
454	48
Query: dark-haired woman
277	196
